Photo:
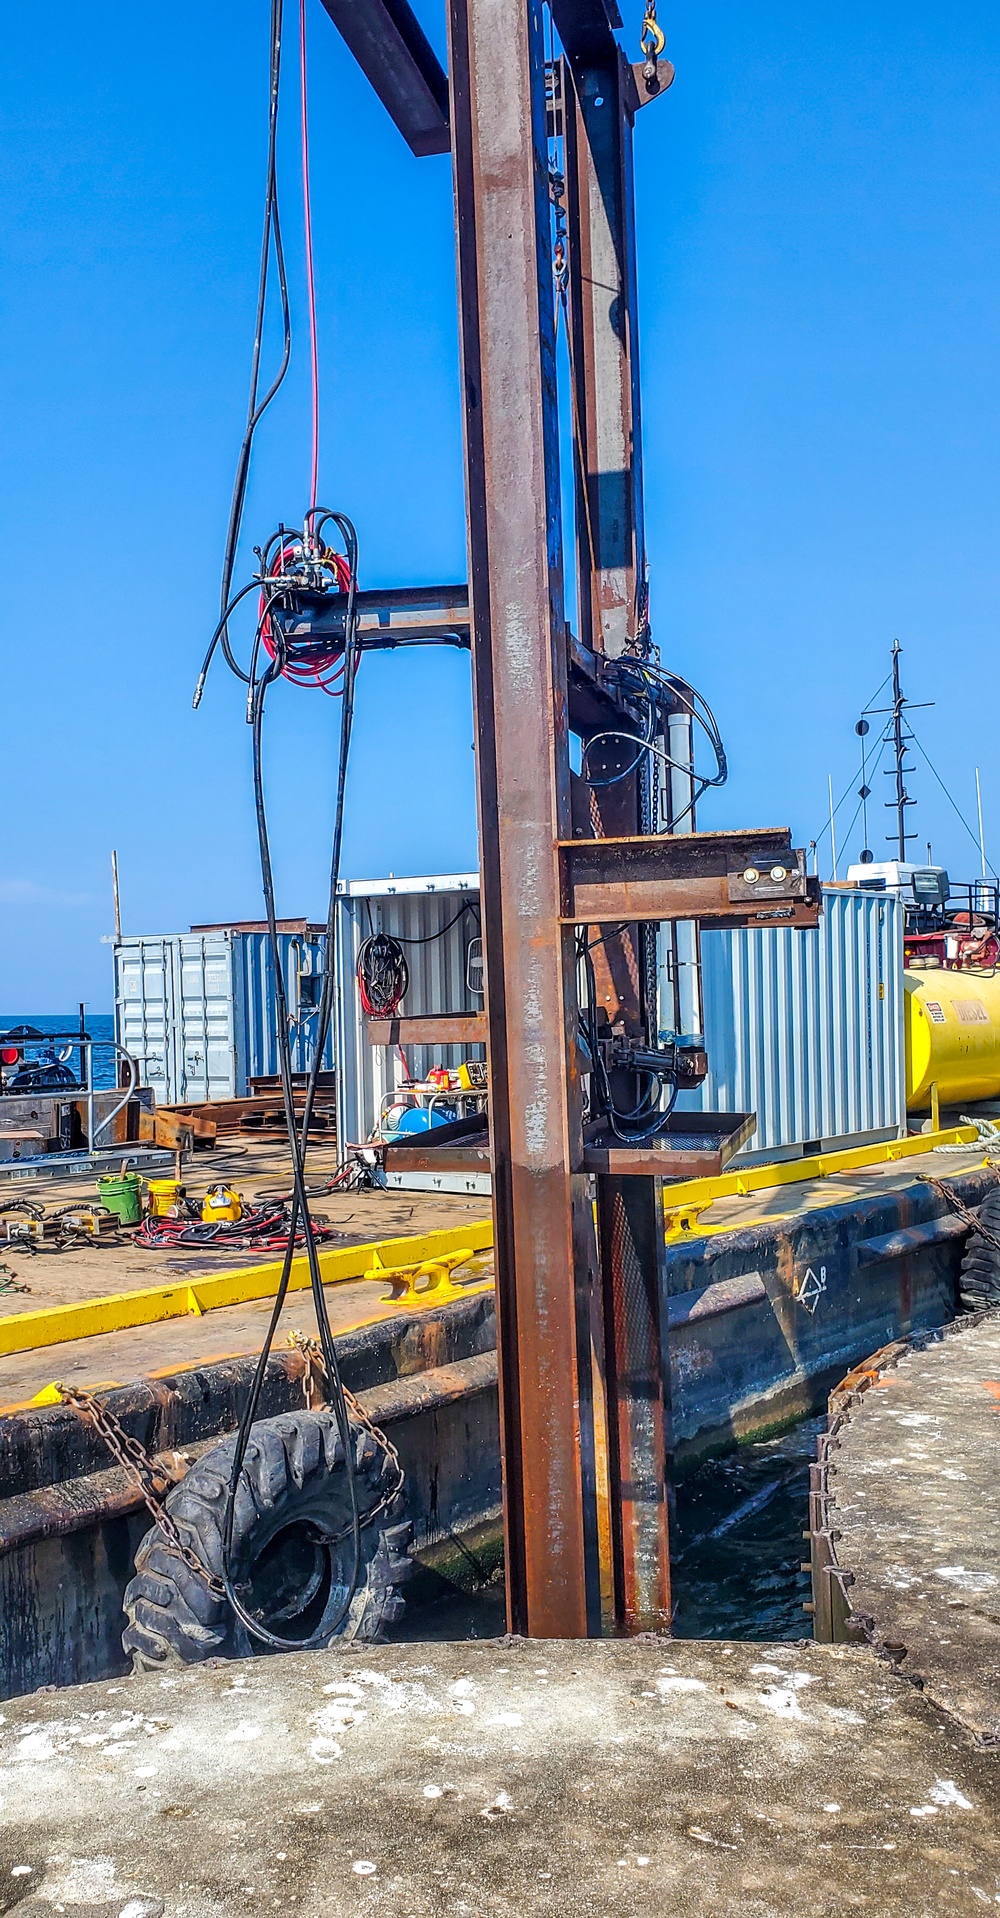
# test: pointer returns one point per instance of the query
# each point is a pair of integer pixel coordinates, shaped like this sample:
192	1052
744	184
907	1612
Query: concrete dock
914	1511
498	1779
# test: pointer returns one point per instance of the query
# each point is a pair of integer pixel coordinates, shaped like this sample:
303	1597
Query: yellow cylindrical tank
952	1036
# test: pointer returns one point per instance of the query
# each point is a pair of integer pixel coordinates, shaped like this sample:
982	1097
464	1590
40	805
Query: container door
144	1011
303	958
205	1028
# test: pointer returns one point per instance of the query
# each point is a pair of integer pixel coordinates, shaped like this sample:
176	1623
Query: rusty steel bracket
723	879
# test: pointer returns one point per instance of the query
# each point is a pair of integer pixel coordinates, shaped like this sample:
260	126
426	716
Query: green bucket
123	1195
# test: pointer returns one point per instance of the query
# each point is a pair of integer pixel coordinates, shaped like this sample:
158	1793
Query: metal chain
312	1353
968	1217
136	1462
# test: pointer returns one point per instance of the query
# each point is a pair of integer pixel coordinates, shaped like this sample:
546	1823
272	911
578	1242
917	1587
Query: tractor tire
293	1488
979	1284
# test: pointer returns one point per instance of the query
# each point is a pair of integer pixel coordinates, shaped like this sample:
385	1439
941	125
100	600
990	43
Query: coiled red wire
263	1229
310	661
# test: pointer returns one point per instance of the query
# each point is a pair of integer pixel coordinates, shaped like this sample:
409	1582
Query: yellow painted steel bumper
122	1311
683	1201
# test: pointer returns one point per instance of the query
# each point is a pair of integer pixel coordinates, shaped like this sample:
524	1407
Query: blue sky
819	278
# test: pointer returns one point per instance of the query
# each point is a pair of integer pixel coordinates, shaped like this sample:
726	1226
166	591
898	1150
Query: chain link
312	1353
145	1475
968	1217
153	1481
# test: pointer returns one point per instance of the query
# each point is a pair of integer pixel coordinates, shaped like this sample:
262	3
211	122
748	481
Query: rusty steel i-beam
576	873
500	164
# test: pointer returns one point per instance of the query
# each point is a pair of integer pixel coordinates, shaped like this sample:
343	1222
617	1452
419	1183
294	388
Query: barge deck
84	1273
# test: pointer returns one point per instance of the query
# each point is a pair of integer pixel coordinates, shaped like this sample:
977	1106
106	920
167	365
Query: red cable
310	278
316	664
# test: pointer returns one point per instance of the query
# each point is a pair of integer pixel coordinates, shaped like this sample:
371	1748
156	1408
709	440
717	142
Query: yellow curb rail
123	1311
690	1196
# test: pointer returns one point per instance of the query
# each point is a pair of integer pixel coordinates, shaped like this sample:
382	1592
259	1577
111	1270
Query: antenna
115	895
979	807
901	737
898	731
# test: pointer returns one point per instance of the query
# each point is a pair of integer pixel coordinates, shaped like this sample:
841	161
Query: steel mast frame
584	1384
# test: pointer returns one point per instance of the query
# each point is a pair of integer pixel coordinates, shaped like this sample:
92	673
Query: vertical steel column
610	562
519	668
605	354
633	1257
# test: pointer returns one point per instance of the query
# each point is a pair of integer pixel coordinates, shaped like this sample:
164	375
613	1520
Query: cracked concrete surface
498	1780
916	1510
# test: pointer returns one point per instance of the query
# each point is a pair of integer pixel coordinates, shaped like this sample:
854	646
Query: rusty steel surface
630	1229
430	1029
73	1505
581	1344
725	877
392	49
500	162
596	90
692	1145
603	314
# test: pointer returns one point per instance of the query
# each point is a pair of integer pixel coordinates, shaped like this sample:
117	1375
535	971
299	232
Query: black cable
298	1141
428	938
258	681
255	408
653	684
601	1096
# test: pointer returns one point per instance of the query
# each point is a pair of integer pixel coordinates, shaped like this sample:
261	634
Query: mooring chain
312	1354
968	1217
135	1460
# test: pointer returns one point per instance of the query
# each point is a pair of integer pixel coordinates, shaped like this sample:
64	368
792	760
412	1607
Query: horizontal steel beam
735	878
393	51
387	616
430	1029
456	1158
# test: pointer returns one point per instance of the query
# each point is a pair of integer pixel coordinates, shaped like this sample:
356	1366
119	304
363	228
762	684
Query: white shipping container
806	1029
197	1009
437	920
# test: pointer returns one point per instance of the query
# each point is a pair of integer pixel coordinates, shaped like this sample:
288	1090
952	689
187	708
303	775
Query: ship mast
901	737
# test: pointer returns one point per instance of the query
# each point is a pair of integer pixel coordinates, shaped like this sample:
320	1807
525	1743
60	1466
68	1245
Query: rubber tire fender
979	1284
293	1470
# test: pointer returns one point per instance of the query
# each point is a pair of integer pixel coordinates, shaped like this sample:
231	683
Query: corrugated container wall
436	920
806	1028
197	1008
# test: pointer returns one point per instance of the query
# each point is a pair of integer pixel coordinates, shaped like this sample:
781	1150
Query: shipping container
437	922
197	1009
805	1028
